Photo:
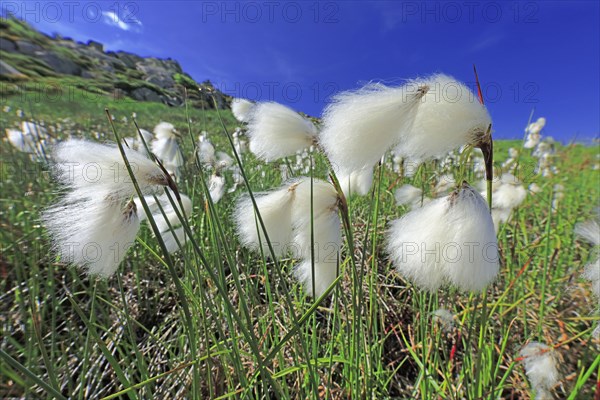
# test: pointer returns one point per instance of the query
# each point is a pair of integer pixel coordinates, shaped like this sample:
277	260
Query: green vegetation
15	29
85	66
254	332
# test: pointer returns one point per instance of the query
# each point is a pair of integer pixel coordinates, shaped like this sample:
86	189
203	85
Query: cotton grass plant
96	221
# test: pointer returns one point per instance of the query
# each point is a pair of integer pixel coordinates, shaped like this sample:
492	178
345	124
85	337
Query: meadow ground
222	322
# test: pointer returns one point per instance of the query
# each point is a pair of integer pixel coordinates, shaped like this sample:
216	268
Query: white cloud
112	19
486	41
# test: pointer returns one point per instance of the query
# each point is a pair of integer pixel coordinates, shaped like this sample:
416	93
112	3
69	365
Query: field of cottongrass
207	313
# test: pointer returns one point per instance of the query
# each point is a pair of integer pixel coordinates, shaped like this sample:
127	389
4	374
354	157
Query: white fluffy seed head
170	225
592	274
500	216
276	131
534	188
167	151
150	202
94	234
445	318
360	126
241	109
174	238
445	183
408	195
324	199
450	239
20	141
412	242
216	187
206	152
286	214
532	140
170	211
275	208
136	143
358	182
223	161
165	130
541	368
166	148
537	126
325	271
478	261
589	231
90	168
508	192
146	135
34	130
321	234
448	116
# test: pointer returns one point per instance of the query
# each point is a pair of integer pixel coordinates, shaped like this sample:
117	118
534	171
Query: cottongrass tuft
592	274
534	188
276	131
445	318
359	126
327	235
590	232
216	187
28	141
94	234
448	117
286	214
95	222
241	109
507	194
405	237
136	143
410	196
170	225
88	168
446	183
449	240
533	132
206	152
357	182
275	208
166	148
541	368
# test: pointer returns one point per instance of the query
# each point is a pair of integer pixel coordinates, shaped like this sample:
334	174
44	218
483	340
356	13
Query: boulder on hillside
128	59
145	94
59	64
8	71
162	81
28	48
7	45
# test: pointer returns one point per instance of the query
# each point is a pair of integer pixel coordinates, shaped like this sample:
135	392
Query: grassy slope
91	338
38	77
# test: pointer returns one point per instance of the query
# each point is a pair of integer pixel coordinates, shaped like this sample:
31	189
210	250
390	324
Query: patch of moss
15	29
185	80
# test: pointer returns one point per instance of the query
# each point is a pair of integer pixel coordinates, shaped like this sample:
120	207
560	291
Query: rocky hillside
27	55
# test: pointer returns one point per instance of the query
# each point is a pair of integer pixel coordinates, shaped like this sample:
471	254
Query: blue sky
529	54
